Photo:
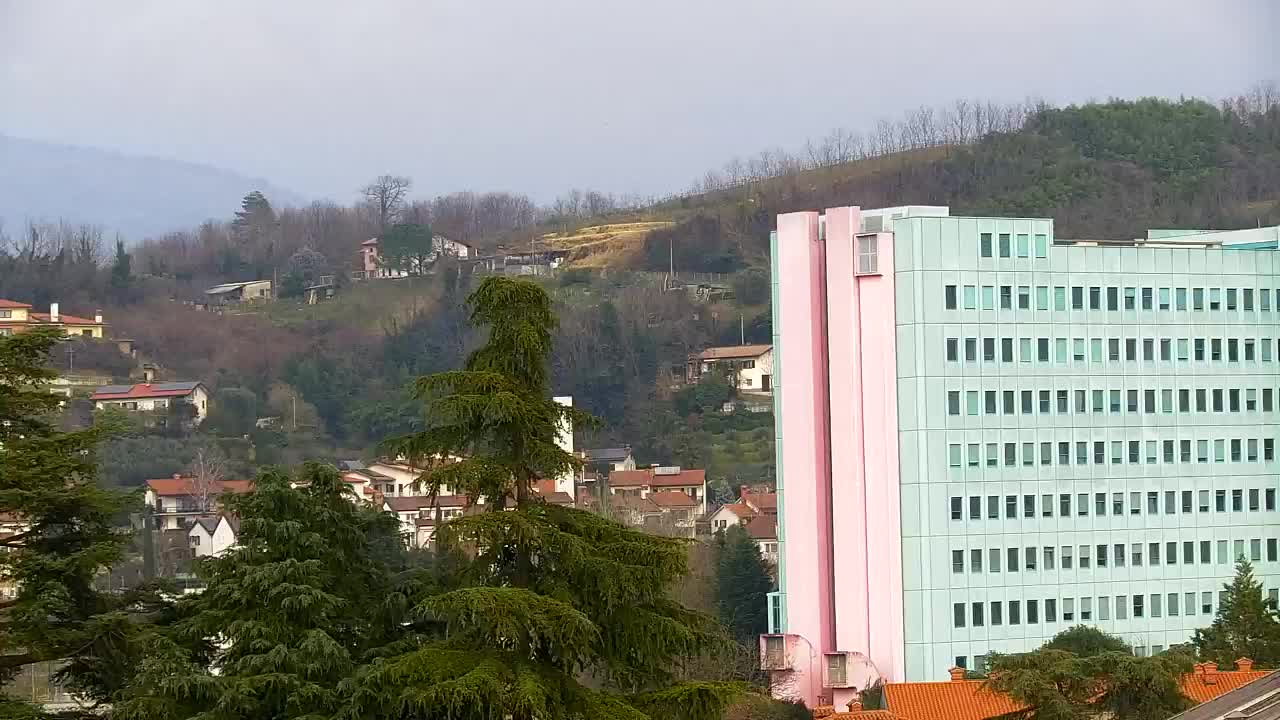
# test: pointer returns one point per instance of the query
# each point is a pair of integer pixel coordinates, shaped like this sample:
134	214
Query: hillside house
147	397
610	458
372	267
212	535
729	515
749	368
643	483
176	502
16	317
238	292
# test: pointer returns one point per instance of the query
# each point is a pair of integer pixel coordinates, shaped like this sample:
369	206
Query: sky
537	97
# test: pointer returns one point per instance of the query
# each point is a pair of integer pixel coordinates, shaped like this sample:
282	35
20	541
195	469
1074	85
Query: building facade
16	317
988	434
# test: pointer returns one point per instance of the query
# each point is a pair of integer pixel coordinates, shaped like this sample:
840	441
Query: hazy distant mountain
134	195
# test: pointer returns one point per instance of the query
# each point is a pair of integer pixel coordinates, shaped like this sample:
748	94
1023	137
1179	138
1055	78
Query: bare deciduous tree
207	470
386	196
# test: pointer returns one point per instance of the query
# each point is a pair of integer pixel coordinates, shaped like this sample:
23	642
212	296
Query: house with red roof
153	396
16	317
176	502
643	483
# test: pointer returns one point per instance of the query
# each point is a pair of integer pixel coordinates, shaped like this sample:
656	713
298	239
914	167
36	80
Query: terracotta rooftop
961	699
763	527
951	700
63	319
180	485
734	352
742	510
12	304
144	390
638	478
767	502
672	499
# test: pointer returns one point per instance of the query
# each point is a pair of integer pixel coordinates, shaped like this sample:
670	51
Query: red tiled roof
734	352
637	478
557	498
740	509
672	498
953	700
177	486
63	318
767	502
7	304
763	527
971	700
141	391
1194	686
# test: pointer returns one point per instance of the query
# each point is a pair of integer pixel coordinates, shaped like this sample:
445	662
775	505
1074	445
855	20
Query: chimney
855	705
53	312
1210	673
97	316
148	373
177	476
957	674
1244	664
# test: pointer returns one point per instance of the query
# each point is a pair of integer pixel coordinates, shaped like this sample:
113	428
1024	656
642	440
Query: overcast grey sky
639	96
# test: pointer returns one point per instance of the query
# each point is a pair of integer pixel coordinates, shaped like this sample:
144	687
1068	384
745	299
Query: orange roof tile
637	478
734	351
1194	686
7	304
672	498
952	700
763	527
971	700
865	715
169	487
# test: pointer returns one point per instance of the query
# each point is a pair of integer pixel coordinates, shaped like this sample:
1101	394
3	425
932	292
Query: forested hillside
333	374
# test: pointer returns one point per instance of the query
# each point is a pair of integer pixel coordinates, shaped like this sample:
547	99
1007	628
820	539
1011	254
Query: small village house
146	397
372	266
610	459
176	502
16	317
749	368
212	535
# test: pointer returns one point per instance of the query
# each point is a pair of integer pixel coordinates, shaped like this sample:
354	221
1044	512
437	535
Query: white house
153	396
615	458
371	265
178	501
748	367
213	535
730	514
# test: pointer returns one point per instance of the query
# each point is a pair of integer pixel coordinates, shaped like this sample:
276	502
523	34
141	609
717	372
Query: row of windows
1114	503
1121	451
1111	299
1010	245
980	661
996	613
1103	555
1061	351
1066	402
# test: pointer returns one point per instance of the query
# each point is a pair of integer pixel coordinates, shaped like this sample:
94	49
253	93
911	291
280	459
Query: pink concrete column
861	342
802	392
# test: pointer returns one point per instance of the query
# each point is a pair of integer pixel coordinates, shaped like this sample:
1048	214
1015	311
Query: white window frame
867	252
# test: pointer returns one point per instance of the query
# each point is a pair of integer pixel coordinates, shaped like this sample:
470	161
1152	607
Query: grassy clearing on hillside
373	300
601	246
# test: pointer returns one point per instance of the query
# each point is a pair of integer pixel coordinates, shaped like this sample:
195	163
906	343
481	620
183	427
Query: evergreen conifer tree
1247	624
742	585
64	535
557	613
309	592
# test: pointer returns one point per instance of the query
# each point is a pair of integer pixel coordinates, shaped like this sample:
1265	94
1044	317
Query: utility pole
71	358
294	403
